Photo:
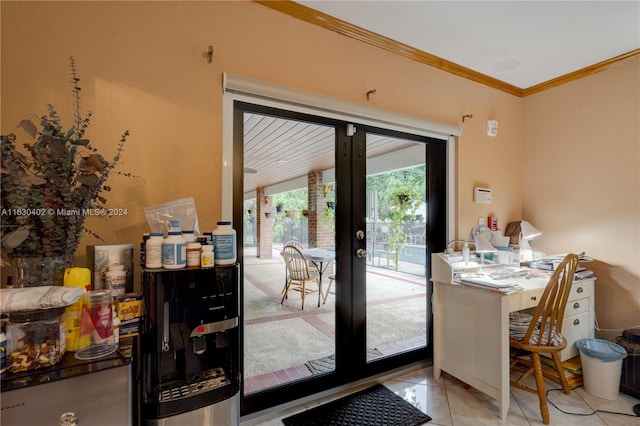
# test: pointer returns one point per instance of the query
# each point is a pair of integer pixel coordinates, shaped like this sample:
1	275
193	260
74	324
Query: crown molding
339	26
584	72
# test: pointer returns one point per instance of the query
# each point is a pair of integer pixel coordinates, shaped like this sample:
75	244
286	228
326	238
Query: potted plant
48	189
279	207
405	202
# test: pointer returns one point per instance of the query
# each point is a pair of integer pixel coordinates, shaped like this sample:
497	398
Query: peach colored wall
143	68
581	182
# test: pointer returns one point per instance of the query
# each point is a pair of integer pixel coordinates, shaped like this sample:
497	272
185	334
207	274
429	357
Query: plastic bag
183	210
42	297
601	349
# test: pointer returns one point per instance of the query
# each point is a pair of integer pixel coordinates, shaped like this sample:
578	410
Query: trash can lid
632	334
601	349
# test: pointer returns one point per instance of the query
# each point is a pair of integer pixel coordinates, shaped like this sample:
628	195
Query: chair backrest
550	311
297	267
294	243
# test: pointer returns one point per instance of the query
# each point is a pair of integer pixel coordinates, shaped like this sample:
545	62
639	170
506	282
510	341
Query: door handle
361	253
360	234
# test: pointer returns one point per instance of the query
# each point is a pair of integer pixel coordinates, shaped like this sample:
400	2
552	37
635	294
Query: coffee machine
189	351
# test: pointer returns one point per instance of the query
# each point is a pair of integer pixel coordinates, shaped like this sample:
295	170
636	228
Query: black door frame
350	164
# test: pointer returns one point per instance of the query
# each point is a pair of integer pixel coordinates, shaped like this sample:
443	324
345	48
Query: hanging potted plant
279	207
48	189
405	202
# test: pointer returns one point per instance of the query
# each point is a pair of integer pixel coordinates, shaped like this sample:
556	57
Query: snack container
35	339
130	313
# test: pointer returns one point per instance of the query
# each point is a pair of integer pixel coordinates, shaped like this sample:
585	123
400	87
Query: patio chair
294	243
298	273
541	333
332	278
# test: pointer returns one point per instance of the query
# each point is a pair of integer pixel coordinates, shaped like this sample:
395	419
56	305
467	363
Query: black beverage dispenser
190	347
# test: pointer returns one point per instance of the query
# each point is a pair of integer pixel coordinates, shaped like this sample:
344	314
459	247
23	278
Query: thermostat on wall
481	195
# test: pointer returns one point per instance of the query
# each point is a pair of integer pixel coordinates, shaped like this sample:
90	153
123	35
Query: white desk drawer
573	328
576	307
524	300
580	290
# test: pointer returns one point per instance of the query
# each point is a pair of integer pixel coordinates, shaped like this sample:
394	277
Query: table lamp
527	232
481	235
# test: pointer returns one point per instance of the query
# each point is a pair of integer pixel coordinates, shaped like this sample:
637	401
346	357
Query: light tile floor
448	403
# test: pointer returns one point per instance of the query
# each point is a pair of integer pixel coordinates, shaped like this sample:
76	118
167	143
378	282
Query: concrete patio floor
280	338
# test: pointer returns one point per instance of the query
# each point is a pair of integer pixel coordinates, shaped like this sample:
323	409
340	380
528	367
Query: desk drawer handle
576	305
579	290
534	298
576	321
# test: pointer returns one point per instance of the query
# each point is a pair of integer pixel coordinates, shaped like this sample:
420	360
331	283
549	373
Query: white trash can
601	367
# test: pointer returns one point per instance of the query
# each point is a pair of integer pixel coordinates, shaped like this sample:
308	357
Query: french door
372	197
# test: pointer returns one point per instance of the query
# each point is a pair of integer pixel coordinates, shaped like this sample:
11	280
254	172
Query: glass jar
35	339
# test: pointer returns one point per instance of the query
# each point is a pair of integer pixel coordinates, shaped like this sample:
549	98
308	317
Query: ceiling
523	43
279	153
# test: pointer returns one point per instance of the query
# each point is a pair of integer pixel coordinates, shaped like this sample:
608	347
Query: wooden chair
332	278
298	273
541	333
294	243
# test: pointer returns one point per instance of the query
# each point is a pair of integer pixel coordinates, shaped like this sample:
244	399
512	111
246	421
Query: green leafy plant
404	203
50	187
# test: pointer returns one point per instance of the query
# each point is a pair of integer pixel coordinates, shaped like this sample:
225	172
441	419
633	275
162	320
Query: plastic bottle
153	250
115	323
207	256
143	248
189	236
116	279
193	254
224	244
81	278
174	251
465	252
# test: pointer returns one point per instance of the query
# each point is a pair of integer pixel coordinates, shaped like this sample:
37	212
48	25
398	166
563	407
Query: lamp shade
528	230
482	243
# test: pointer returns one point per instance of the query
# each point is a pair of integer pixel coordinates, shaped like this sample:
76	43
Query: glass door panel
396	283
289	198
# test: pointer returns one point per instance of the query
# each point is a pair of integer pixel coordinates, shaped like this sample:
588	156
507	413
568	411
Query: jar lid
193	245
207	247
157	234
224	223
116	267
35	315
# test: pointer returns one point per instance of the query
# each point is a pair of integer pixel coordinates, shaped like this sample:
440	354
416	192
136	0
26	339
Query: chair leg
285	291
304	290
560	370
537	367
326	293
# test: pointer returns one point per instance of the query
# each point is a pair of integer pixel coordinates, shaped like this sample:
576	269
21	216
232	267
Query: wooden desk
471	328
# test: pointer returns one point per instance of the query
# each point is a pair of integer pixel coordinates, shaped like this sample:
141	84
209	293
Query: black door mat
328	363
374	406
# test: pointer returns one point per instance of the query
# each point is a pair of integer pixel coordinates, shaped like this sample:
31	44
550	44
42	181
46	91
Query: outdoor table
320	258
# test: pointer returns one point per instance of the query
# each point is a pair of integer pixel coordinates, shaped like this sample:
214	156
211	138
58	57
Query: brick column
321	234
264	225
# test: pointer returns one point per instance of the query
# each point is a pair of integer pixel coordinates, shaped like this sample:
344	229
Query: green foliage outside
393	208
400	194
